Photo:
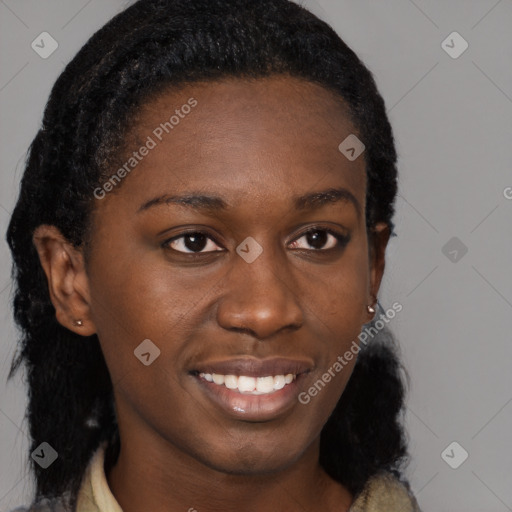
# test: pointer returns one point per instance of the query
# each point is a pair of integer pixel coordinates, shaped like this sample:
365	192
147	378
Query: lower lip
252	407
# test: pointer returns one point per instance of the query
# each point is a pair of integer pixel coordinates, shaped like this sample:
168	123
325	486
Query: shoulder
384	492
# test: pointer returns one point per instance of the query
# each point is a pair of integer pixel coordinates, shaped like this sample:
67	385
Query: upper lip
252	367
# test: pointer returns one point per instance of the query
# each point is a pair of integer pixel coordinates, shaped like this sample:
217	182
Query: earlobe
64	268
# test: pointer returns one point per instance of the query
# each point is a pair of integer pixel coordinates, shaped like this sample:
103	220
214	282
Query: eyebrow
214	204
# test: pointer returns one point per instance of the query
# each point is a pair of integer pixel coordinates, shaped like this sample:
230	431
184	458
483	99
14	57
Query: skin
257	145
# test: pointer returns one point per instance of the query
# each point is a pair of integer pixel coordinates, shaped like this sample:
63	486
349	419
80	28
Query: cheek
140	298
138	302
323	392
339	297
337	305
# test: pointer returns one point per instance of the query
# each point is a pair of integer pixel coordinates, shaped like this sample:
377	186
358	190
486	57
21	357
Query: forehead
255	106
269	134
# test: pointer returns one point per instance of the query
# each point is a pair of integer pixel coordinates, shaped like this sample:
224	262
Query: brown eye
319	238
192	242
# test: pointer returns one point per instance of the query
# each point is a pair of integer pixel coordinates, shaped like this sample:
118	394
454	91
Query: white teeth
231	381
279	382
217	378
246	383
250	385
265	384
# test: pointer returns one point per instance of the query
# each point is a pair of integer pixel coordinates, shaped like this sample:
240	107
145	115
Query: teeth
218	379
231	381
246	383
250	385
279	382
265	384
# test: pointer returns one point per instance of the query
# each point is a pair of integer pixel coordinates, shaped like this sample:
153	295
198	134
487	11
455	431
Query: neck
163	478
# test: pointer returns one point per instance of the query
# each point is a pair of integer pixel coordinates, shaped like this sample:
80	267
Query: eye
192	242
319	237
199	242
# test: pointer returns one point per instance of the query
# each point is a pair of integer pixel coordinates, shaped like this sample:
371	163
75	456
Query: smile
251	389
250	385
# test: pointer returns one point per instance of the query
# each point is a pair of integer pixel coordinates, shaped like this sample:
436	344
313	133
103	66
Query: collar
95	494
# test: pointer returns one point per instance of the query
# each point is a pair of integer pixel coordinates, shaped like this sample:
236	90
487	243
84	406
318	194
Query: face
258	276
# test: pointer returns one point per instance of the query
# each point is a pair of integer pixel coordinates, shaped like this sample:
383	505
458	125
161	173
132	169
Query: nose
261	298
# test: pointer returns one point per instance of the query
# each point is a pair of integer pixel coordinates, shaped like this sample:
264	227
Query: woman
199	239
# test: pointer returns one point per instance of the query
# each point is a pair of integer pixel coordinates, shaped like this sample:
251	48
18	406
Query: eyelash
342	240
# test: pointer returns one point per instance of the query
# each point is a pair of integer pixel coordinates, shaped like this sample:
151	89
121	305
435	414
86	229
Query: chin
250	459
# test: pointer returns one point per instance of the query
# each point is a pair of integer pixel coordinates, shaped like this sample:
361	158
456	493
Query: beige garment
385	493
95	494
382	493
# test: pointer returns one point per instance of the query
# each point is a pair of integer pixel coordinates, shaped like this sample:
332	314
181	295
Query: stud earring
370	309
78	323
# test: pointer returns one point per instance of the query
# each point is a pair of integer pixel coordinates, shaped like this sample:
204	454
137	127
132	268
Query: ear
68	283
378	241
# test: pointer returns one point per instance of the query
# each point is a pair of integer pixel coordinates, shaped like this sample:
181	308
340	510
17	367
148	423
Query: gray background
451	119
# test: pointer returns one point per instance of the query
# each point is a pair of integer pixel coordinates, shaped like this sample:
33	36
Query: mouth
252	389
250	385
